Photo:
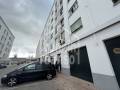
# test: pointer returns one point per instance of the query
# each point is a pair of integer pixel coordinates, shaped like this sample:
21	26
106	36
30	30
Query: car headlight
4	76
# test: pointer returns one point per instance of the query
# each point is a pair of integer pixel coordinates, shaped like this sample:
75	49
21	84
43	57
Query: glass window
38	66
62	41
51	35
0	27
51	27
73	8
30	67
62	22
46	67
55	29
61	1
4	55
51	20
0	51
61	11
76	26
68	1
5	31
2	37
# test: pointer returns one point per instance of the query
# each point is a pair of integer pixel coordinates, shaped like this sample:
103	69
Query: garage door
79	64
113	48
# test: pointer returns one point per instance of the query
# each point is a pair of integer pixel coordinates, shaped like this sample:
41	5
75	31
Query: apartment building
6	40
88	33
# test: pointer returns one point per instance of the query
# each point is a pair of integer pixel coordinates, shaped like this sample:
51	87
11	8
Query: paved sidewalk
71	83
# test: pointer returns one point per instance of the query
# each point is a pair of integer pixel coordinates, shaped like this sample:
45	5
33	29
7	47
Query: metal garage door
113	48
79	64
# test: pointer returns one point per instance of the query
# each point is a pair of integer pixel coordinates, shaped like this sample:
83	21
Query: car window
30	67
38	67
46	67
42	67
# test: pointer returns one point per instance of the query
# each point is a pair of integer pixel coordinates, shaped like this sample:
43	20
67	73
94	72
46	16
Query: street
61	82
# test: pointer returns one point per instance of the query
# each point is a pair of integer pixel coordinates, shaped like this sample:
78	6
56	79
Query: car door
29	72
40	72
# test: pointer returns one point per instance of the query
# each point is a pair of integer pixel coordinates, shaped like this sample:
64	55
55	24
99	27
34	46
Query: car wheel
12	82
49	76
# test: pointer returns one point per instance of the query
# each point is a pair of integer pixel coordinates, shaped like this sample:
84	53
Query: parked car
34	71
2	66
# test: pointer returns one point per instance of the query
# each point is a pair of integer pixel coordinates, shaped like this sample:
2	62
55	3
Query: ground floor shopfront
96	58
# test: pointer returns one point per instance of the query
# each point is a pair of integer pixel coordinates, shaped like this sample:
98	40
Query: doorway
113	49
79	64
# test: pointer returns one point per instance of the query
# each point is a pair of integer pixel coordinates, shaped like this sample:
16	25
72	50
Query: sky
26	20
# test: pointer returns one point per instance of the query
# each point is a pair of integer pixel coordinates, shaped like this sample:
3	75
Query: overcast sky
26	19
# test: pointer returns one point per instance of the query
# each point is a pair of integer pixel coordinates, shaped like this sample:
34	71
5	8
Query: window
61	11
2	46
55	11
51	20
38	67
7	34
56	7
52	12
2	37
5	31
56	4
68	1
8	43
62	40
30	67
116	1
46	67
73	8
55	29
62	22
56	41
5	39
56	18
6	49
76	26
0	52
4	55
0	27
51	27
61	1
51	35
10	39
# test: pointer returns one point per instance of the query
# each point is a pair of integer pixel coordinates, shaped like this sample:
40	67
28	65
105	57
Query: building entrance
113	48
79	64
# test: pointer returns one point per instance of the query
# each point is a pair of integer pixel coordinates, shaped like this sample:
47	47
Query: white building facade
87	31
6	40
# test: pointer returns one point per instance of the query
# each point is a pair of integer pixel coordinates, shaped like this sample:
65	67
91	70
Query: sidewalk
71	83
